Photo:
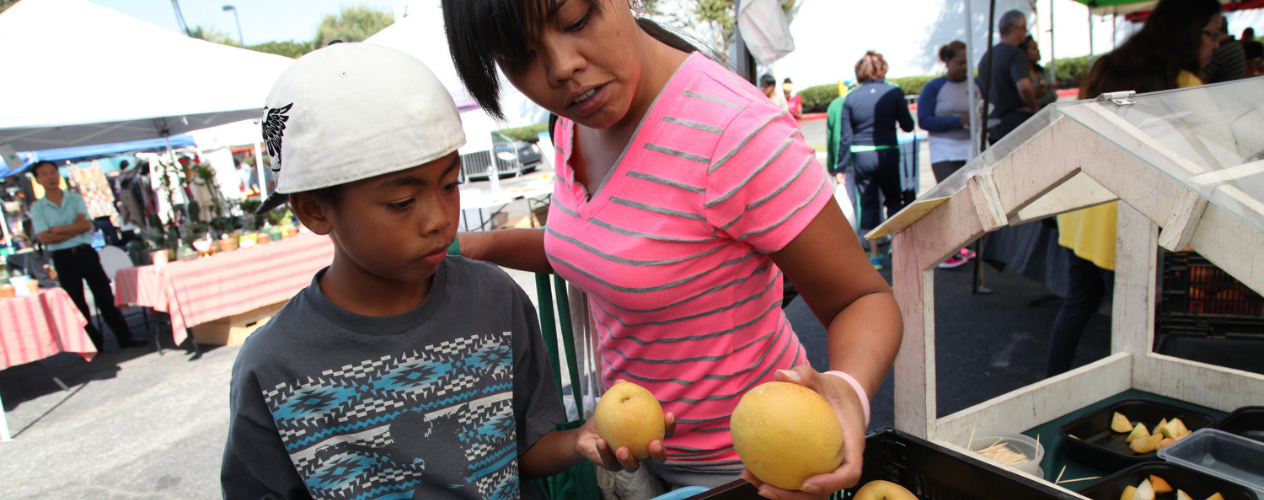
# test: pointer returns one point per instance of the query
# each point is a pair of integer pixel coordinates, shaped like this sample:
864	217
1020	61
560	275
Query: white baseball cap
351	111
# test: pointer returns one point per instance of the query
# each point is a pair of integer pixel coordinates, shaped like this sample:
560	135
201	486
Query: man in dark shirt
1011	93
1228	62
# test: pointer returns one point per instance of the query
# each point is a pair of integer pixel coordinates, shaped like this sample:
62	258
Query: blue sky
261	20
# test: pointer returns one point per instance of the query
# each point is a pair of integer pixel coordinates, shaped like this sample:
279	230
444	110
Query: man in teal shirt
61	223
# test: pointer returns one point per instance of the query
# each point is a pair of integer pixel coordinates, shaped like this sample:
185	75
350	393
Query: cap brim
274	200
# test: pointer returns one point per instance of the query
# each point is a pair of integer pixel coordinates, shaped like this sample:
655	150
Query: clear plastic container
1016	442
1221	454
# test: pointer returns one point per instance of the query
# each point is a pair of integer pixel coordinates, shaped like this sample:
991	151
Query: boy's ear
311	213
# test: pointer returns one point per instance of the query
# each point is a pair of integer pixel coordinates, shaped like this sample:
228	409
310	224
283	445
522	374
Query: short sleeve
1020	67
537	406
765	184
39	220
255	462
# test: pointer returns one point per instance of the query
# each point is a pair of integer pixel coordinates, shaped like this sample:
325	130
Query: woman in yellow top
1169	52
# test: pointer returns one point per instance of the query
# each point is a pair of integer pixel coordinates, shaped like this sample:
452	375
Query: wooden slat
914	290
1033	405
1224	389
1040	165
1078	192
1136	260
1179	228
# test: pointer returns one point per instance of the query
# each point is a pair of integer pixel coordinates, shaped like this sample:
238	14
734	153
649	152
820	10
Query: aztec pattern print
360	432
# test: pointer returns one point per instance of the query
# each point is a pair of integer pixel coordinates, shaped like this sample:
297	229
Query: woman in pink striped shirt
682	196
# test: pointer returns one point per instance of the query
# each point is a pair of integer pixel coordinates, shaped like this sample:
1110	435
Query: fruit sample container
1196	484
930	471
1247	421
1090	440
1221	454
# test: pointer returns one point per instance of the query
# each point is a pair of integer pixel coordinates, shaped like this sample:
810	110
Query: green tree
351	24
5	4
289	48
214	35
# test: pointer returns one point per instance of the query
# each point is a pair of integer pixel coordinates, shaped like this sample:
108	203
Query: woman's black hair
482	33
1170	41
1025	46
950	51
767	80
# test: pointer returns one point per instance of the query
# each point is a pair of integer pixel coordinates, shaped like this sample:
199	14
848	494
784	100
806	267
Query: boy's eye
400	205
450	187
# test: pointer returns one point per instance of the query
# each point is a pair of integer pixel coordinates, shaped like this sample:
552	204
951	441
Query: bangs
483	32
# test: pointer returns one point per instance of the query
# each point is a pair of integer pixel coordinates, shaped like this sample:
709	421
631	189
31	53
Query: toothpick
1037	441
970	443
1080	479
998	441
1059	479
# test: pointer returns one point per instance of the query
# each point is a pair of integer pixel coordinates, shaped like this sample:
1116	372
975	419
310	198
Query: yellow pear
1129	492
883	490
785	433
1217	496
628	416
1146	445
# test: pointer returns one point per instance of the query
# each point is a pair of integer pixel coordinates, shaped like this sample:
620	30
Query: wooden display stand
1063	168
234	329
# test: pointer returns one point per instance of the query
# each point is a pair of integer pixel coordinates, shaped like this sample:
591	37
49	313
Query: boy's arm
255	464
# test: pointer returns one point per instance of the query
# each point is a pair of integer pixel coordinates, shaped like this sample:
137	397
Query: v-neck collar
583	196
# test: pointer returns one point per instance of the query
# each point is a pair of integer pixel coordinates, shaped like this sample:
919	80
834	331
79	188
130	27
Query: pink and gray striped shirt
673	248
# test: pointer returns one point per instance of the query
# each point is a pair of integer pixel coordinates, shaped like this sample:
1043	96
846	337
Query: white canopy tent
90	75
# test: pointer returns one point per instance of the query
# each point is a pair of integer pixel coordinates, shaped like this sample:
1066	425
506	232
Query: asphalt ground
136	424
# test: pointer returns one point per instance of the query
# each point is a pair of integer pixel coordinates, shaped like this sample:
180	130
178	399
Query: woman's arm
926	102
902	114
864	328
845	134
521	249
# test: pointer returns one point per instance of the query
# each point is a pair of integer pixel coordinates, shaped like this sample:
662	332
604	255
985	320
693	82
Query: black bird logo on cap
273	129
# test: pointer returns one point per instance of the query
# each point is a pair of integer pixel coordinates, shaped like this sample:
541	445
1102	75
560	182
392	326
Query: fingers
608	459
669	423
626	460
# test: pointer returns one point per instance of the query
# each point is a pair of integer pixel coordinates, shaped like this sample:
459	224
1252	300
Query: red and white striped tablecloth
207	289
41	325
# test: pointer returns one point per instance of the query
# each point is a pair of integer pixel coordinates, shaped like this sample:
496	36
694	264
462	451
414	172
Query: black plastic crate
1096	445
1194	483
930	471
1247	421
1200	299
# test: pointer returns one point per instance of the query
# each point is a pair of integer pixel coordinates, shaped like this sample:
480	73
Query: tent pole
971	91
1090	35
987	76
1053	57
4	226
263	179
1114	31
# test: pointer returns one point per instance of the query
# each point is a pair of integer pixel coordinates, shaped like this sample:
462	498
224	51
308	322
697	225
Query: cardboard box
234	329
535	220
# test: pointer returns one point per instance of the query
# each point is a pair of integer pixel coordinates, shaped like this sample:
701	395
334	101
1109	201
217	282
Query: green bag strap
568	342
548	327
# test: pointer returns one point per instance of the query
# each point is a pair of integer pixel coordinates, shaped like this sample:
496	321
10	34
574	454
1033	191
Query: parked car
511	156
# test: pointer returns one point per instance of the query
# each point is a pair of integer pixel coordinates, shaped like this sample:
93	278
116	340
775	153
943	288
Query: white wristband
860	391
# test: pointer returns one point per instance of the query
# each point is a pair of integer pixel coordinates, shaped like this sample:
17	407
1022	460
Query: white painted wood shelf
1185	167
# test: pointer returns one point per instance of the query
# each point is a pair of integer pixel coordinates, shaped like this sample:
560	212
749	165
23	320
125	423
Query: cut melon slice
1181	495
1128	493
1138	432
1160	486
1120	423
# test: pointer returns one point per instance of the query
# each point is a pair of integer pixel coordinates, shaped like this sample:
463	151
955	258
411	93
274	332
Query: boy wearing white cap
399	372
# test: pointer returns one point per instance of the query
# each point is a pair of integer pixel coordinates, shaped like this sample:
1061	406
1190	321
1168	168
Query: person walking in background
793	104
1010	91
1042	80
768	84
1228	62
868	139
943	110
61	222
1169	52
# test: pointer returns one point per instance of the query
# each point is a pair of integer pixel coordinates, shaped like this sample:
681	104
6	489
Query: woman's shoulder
712	95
